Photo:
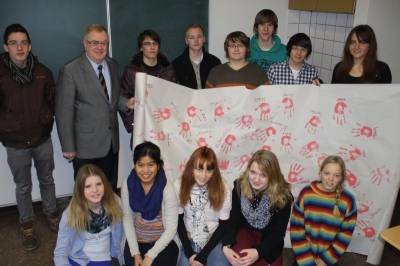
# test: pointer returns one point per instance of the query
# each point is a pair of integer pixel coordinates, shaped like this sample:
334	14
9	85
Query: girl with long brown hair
261	203
360	63
205	202
91	227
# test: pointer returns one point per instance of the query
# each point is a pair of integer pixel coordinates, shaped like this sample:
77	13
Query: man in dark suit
87	100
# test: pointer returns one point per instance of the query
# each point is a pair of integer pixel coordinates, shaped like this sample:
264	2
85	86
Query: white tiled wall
328	32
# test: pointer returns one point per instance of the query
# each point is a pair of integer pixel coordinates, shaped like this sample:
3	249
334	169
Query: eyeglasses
16	43
235	45
149	43
97	43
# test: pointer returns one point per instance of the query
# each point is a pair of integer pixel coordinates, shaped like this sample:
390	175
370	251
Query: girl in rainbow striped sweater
324	217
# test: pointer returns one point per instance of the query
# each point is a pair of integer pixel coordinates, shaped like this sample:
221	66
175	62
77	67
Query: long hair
215	186
364	33
78	209
339	161
278	190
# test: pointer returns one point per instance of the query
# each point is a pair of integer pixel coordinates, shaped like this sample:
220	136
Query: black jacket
184	70
163	70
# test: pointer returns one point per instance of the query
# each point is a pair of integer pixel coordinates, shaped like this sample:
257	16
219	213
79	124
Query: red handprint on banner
294	172
364	131
202	142
266	147
266	133
313	124
339	114
351	179
309	149
380	174
219	111
364	207
288	106
242	161
184	130
182	165
321	158
246	121
286	144
162	114
158	135
351	153
193	112
367	229
264	110
223	165
228	143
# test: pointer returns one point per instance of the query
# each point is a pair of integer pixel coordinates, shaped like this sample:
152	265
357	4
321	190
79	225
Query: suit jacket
87	122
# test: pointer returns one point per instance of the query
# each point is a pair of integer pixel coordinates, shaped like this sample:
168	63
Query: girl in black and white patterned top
205	203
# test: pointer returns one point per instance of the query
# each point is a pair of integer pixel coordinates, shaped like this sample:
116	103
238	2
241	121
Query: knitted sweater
315	231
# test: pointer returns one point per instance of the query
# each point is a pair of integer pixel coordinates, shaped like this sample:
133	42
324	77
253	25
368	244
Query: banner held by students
301	124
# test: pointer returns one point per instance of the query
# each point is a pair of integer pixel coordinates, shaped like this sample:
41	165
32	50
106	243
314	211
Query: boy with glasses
238	71
26	121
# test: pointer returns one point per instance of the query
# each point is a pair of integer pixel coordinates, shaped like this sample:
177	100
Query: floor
11	253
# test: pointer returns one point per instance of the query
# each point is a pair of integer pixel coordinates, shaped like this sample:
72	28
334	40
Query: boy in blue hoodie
265	45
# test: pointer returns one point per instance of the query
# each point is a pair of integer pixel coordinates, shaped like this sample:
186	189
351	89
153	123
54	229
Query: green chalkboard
169	18
56	27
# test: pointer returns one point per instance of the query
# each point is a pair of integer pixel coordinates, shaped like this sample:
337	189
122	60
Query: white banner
300	124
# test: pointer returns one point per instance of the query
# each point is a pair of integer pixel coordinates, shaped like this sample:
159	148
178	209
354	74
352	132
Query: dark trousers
247	238
108	163
167	257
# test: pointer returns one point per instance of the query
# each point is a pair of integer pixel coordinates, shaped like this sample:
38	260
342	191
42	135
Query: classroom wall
226	16
383	17
56	28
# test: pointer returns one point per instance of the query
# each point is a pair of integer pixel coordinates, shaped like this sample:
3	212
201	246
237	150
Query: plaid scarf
20	75
97	222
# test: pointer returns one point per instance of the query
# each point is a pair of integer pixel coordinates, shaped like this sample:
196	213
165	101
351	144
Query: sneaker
53	221
29	240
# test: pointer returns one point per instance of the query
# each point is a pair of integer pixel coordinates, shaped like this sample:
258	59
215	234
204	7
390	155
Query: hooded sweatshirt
266	58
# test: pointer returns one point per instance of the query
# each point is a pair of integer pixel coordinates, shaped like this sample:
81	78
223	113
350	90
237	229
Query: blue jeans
215	258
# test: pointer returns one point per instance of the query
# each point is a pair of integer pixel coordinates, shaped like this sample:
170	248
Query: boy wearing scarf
26	121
